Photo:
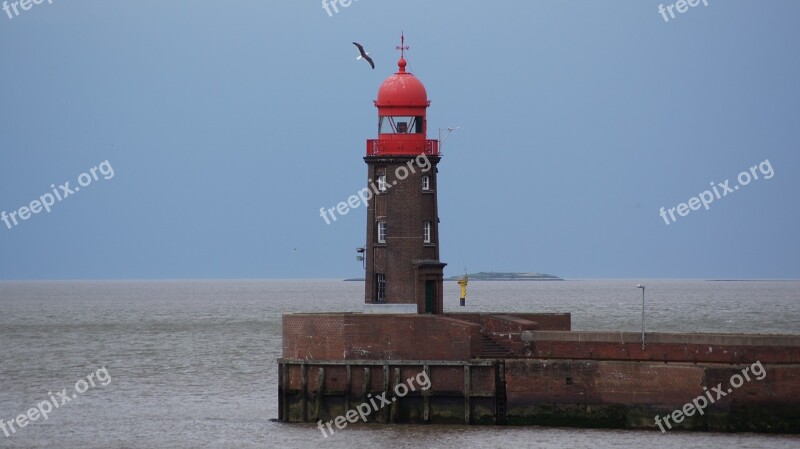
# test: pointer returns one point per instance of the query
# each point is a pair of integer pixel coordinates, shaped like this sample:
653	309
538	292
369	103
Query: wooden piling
395	399
348	388
467	393
303	392
320	392
426	396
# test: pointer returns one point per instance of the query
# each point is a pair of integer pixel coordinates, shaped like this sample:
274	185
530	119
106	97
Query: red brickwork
506	329
697	348
404	207
548	321
543	321
592	382
335	336
317	336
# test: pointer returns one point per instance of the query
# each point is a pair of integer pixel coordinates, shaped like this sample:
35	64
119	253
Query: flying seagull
364	55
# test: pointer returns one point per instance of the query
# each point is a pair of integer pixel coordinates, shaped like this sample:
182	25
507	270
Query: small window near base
380	287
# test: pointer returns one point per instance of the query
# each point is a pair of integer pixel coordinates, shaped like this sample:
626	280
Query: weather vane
403	47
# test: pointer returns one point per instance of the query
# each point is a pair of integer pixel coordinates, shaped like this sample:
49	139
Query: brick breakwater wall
544	374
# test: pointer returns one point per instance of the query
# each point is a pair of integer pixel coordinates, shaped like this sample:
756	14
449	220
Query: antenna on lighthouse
449	131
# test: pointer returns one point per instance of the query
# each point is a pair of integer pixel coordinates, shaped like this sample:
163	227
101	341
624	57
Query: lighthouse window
382	183
380	281
426	182
426	232
381	232
400	124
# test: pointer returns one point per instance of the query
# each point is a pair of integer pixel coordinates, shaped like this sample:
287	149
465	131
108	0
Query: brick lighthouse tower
402	252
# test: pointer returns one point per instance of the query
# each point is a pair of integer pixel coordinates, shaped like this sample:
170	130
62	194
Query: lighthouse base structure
531	369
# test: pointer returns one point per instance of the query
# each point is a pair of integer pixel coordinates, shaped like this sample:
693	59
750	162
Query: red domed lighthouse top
402	89
402	115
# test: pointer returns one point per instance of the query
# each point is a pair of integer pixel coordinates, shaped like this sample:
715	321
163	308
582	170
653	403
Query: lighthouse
424	365
403	270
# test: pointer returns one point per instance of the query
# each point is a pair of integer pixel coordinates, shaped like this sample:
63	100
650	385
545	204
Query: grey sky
229	124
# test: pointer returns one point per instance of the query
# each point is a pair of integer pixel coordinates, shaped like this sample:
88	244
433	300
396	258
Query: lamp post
644	340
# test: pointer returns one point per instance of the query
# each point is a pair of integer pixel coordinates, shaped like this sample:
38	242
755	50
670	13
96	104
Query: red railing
377	147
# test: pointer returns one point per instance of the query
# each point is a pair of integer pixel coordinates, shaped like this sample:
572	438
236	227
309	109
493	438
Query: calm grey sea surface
192	363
